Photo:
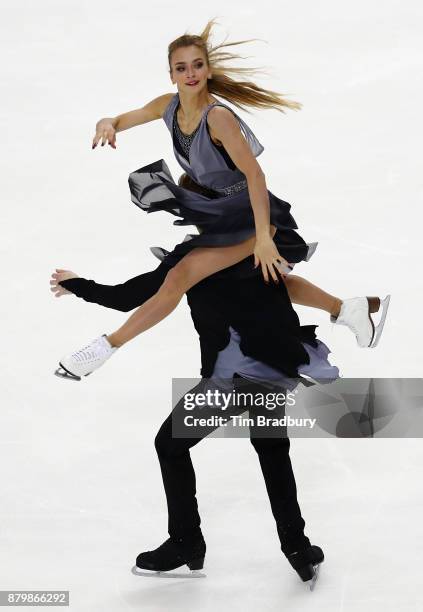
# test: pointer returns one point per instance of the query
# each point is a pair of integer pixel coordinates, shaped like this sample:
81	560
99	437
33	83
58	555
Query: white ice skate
356	312
85	360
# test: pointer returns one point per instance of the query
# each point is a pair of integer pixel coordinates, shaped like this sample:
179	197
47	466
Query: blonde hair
240	93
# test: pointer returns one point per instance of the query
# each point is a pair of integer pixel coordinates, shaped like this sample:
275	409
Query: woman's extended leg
302	292
197	265
354	313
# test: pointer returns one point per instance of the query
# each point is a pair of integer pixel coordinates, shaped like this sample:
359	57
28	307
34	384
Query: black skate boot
306	563
172	554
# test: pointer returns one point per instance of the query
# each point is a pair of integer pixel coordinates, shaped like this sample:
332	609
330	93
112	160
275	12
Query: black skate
306	564
171	555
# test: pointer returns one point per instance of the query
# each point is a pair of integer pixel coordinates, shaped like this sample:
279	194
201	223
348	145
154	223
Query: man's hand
58	276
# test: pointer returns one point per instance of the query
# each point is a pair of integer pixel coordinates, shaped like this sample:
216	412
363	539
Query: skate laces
87	352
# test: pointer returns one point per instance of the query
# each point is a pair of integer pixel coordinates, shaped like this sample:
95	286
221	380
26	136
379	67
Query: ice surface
81	486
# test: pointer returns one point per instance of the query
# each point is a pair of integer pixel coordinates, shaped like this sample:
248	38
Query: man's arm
124	296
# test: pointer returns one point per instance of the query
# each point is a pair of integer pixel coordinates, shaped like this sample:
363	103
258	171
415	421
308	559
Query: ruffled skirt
221	220
263	325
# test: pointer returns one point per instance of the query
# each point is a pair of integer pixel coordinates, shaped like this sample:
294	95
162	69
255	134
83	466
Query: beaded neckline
186	140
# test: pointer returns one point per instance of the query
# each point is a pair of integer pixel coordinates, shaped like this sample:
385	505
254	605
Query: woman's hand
61	275
105	131
266	254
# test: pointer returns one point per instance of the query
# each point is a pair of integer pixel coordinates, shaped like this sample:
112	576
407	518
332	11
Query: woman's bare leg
194	267
301	291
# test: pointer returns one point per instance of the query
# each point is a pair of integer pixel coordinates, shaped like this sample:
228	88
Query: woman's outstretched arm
106	128
124	296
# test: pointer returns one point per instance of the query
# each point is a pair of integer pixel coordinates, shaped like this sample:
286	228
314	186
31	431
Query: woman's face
188	64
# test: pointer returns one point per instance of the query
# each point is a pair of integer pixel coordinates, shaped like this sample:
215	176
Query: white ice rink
81	490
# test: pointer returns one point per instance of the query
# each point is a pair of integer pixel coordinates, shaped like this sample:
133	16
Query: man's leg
186	544
279	477
176	465
178	480
272	446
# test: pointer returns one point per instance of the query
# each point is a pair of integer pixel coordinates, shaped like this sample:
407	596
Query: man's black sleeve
124	296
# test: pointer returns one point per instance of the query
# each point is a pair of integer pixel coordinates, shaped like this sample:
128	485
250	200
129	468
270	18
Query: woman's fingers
272	267
266	268
112	139
106	136
273	272
281	265
264	272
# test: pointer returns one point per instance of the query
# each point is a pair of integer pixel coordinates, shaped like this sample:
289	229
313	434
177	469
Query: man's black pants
273	453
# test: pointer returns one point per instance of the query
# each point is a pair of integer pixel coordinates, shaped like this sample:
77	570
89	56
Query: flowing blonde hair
240	93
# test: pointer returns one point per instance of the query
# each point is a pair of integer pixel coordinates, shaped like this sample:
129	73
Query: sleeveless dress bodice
222	213
183	142
206	165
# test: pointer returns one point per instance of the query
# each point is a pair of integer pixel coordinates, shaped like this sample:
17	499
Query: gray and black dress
222	212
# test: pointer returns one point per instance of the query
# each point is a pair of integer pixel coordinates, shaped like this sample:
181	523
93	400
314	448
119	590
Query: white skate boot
86	360
355	314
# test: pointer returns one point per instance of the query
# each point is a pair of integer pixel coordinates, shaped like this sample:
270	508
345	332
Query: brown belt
187	182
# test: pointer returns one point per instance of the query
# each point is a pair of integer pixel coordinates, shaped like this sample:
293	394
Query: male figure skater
217	316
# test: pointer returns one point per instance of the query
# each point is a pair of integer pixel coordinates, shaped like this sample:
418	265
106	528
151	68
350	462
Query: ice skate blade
379	328
312	582
312	246
62	372
137	571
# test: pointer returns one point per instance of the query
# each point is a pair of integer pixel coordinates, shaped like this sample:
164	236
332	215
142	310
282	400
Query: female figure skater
237	219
